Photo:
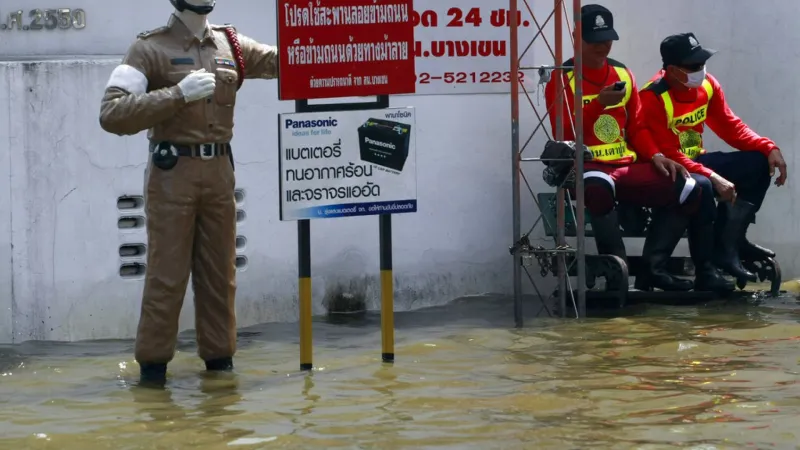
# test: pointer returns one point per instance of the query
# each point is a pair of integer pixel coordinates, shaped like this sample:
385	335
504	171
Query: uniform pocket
227	81
176	76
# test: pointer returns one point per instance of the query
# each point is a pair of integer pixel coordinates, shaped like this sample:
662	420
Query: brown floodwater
717	376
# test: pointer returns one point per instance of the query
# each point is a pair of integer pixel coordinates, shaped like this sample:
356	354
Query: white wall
59	275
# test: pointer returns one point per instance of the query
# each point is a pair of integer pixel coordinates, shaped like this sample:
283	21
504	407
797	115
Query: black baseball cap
684	50
597	24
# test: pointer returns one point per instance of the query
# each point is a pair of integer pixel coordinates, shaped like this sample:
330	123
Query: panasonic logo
388	145
329	122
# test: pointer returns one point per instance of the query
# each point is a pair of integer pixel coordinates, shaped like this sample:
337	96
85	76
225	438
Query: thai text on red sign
345	48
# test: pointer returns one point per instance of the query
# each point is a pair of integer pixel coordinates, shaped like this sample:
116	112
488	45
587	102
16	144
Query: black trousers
748	171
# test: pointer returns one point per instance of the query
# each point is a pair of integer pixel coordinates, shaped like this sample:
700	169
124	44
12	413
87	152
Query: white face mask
695	79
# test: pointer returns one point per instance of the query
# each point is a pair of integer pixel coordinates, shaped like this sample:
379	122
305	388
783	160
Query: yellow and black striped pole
387	289
304	281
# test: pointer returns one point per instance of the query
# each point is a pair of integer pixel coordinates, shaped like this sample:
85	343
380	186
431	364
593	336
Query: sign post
387	289
346	159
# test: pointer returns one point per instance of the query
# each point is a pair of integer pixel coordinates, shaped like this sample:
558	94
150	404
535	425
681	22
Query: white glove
197	85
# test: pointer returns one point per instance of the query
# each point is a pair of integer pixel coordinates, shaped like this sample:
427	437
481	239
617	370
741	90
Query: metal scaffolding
523	253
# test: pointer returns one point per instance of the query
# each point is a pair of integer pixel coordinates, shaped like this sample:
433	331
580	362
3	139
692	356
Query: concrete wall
59	262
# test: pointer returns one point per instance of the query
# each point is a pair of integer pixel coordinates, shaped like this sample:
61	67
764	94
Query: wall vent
130	202
132	251
133	270
130	222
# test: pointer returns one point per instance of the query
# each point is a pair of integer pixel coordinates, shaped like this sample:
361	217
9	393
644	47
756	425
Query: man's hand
669	167
197	85
609	97
725	189
776	161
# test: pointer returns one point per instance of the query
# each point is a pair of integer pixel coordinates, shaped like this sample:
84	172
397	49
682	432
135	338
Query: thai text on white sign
347	163
462	46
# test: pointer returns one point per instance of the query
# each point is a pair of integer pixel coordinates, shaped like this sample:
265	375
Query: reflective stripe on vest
618	149
611	152
622	73
691	141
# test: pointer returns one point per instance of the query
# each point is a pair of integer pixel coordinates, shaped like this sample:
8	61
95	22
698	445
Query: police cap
684	50
597	24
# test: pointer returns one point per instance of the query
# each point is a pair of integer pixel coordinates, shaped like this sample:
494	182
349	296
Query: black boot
730	236
754	252
701	247
220	365
608	236
152	375
666	230
750	251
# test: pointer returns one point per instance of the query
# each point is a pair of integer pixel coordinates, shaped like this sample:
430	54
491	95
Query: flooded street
718	376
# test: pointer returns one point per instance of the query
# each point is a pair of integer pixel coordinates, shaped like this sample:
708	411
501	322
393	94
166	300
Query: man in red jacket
677	104
627	166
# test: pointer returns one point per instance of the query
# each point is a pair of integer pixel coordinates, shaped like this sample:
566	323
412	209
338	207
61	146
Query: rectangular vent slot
127	202
132	270
130	222
132	250
238	195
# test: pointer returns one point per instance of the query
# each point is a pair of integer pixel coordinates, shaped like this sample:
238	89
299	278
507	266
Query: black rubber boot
748	250
608	236
666	230
220	365
755	252
730	235
701	247
152	375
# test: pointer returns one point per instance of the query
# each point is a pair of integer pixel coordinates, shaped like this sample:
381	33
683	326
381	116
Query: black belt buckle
206	151
165	156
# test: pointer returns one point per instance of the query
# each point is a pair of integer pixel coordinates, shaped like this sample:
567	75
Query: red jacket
720	118
637	136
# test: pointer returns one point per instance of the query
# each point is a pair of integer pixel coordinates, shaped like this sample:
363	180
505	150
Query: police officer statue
179	82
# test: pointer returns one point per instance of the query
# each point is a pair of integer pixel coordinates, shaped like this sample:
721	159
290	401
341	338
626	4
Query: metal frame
521	250
304	255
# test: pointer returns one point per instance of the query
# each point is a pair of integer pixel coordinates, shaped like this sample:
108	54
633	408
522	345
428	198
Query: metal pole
387	289
515	161
580	226
304	275
560	197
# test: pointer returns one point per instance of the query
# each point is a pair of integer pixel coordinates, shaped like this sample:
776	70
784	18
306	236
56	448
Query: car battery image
384	143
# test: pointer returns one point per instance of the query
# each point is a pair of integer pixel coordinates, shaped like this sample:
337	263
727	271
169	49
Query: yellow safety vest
608	143
691	142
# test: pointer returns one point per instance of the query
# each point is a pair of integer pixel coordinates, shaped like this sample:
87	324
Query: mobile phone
619	85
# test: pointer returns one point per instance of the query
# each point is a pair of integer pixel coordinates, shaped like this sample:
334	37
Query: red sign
345	48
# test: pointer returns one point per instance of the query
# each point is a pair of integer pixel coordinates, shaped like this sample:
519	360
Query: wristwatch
659	154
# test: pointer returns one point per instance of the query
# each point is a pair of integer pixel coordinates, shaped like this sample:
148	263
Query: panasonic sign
294	124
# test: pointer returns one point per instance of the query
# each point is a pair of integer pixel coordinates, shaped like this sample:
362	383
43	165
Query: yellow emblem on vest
606	129
690	138
691	143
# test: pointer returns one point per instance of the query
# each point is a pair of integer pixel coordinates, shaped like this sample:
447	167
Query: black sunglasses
692	67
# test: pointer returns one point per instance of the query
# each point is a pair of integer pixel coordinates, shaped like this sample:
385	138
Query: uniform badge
225	62
182	61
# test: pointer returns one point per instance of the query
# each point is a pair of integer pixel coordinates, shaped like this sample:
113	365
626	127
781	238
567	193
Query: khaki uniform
191	211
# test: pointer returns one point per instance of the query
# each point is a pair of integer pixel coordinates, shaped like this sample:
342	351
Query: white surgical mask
695	79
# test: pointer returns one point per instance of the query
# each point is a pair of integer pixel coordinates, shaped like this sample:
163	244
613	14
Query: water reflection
715	376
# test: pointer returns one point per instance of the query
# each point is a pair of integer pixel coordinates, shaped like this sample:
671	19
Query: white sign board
347	163
463	46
